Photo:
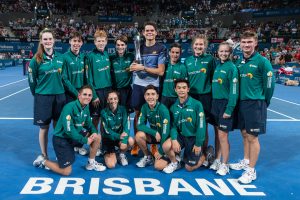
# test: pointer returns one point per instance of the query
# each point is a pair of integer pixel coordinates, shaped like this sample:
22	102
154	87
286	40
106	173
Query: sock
246	161
91	160
251	169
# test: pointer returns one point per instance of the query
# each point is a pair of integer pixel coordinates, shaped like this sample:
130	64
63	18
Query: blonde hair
100	33
200	36
39	54
226	44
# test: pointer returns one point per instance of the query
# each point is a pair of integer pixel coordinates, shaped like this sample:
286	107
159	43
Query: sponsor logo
68	117
270	74
250	75
165	121
235	80
254	66
203	70
189	119
158	124
220	81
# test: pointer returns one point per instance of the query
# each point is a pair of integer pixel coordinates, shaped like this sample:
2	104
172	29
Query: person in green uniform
74	74
188	127
175	70
99	76
116	131
45	81
256	89
200	68
225	89
158	117
74	124
121	76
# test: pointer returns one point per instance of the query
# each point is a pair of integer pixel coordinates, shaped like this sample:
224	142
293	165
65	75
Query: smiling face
76	44
113	100
174	53
149	33
85	96
199	46
47	40
120	47
248	45
100	43
182	89
151	97
224	52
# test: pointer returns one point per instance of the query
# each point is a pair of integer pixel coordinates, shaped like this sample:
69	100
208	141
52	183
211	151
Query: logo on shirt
158	124
29	70
220	81
189	119
68	117
59	70
254	66
165	121
269	74
203	70
250	75
235	80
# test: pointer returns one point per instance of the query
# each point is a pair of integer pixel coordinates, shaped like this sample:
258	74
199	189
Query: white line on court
13	82
14	93
283	120
297	104
281	114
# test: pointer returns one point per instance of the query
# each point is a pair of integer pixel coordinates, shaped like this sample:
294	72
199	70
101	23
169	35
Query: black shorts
70	97
125	96
137	97
206	101
217	110
189	157
47	107
64	151
109	146
151	139
102	95
252	116
168	101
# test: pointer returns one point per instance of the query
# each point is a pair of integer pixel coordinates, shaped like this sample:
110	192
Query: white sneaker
123	159
216	165
248	176
223	169
144	161
171	167
39	161
82	151
240	165
76	149
99	152
95	166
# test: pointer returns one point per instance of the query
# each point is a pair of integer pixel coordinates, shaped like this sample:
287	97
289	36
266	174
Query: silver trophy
137	46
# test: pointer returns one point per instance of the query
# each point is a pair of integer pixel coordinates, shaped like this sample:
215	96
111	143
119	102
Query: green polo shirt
120	76
225	84
99	76
73	119
46	77
188	120
73	71
115	123
173	72
159	120
200	71
257	80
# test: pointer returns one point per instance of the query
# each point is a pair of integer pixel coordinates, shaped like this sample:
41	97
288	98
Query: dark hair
249	34
150	23
122	38
181	81
76	34
113	91
85	87
176	45
150	87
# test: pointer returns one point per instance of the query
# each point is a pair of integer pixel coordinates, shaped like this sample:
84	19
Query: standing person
175	70
147	72
256	90
200	68
225	89
116	130
99	76
188	126
121	77
74	124
74	74
158	117
45	81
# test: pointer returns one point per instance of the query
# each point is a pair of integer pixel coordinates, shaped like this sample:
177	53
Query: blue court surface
278	168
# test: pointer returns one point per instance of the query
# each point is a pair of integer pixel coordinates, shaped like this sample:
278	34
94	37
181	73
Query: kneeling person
116	125
188	126
73	122
158	117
